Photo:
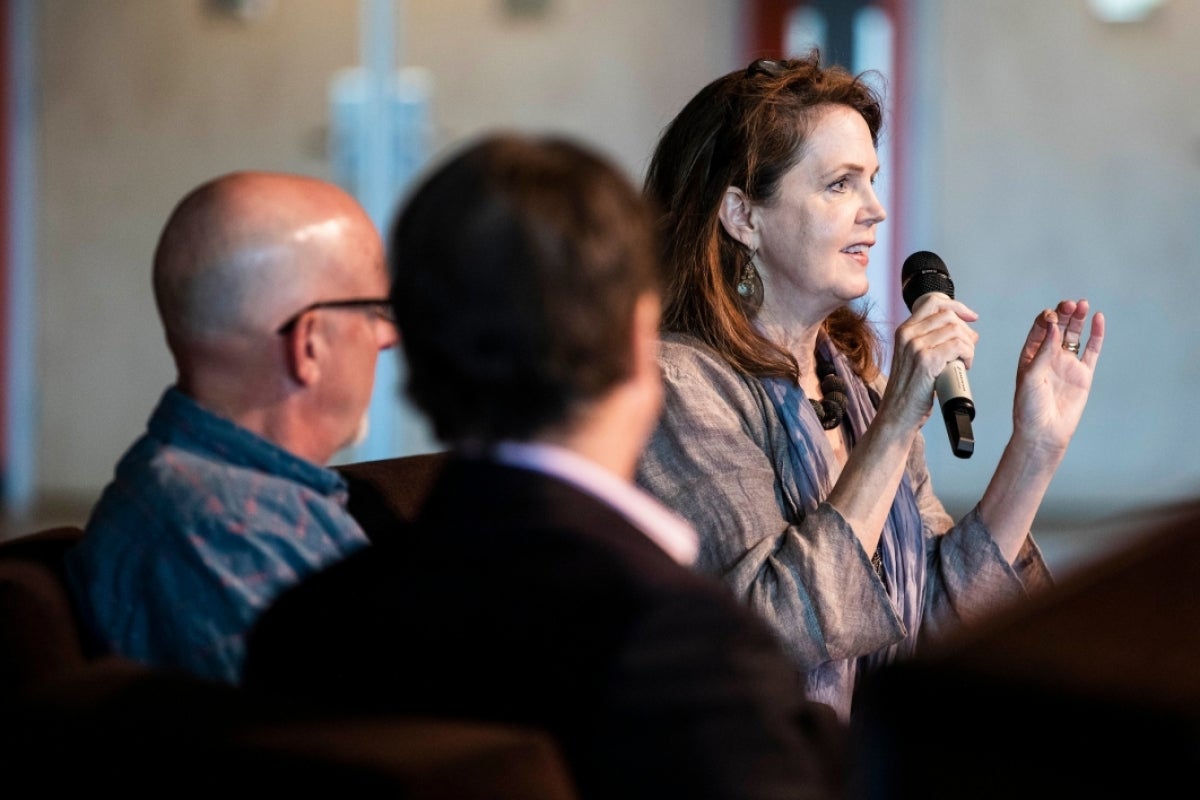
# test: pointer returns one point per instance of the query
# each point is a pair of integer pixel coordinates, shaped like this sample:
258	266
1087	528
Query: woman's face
816	233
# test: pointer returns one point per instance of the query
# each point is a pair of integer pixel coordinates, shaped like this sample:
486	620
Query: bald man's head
242	252
242	255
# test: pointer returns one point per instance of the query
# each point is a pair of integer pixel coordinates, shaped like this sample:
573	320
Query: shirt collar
661	525
181	421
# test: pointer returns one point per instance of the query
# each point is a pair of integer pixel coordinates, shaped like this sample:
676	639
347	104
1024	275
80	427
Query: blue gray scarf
902	542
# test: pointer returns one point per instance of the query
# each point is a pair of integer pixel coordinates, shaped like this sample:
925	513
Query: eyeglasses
380	307
765	66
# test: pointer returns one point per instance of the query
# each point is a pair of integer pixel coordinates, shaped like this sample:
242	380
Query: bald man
272	291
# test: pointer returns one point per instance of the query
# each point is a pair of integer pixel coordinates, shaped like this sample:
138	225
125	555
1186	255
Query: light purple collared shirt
662	526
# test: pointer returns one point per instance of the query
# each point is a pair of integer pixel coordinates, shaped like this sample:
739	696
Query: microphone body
925	273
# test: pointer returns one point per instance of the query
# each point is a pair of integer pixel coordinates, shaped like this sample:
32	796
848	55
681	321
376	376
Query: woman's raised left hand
1054	376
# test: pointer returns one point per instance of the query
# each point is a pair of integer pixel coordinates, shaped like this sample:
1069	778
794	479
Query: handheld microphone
924	272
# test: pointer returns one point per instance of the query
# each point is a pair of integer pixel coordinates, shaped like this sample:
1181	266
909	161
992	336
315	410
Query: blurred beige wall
1054	155
1062	159
139	100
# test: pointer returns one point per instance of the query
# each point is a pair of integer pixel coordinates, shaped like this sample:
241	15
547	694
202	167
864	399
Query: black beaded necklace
831	408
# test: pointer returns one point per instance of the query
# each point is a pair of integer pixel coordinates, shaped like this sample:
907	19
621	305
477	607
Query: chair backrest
124	727
40	633
71	720
40	636
386	494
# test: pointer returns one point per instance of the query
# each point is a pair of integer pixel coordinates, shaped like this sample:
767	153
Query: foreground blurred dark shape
1110	661
1101	676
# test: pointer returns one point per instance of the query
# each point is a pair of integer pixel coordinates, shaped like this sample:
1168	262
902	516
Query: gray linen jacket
720	458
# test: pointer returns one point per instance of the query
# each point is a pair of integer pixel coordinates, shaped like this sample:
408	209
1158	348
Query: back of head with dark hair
516	267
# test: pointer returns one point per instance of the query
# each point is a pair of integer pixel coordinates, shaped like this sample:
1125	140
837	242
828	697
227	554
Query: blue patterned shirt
203	525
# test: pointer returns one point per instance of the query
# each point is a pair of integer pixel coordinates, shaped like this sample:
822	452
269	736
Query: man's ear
737	217
304	349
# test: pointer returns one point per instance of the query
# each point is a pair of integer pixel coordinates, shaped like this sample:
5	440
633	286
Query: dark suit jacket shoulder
517	597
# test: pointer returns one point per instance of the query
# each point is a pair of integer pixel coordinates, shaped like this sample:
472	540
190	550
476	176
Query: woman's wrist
1036	452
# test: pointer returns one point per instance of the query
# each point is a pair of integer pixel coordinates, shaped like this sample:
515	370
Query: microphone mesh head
924	272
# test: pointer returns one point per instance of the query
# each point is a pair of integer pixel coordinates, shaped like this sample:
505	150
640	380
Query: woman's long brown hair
745	129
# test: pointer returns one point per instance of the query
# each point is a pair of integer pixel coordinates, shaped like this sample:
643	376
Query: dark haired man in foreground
538	585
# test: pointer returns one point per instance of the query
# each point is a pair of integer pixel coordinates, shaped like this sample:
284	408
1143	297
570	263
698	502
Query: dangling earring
749	285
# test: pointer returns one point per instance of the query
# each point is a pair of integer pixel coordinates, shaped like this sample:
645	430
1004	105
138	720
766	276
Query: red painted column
765	26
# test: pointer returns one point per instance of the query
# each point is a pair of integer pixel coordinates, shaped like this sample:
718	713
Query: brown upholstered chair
125	728
74	720
40	638
387	492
